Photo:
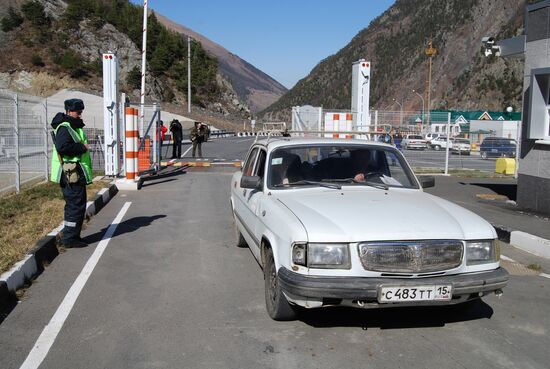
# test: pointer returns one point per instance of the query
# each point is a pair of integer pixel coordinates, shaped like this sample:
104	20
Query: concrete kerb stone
44	252
535	245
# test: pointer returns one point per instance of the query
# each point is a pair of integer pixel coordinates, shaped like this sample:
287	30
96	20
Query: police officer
72	168
177	135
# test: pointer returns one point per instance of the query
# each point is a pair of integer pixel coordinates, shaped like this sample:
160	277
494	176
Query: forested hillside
395	44
56	44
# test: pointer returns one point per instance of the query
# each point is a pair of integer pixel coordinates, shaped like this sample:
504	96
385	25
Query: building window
539	105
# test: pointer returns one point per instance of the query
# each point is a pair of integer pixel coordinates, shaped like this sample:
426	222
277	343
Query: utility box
506	166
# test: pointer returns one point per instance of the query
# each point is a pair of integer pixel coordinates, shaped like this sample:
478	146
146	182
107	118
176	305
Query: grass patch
29	216
535	267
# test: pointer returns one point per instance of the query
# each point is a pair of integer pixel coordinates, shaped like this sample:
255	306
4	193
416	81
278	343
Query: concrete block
533	244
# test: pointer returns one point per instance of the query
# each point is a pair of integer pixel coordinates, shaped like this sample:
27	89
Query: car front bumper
464	286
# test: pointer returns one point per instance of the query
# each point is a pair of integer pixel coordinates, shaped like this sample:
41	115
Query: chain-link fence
430	142
26	143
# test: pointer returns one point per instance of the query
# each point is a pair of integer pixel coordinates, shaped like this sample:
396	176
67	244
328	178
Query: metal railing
25	142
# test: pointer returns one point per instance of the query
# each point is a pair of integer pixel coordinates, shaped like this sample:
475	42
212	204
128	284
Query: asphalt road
171	290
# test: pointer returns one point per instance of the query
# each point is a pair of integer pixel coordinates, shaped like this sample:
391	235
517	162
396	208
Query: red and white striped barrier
131	117
338	122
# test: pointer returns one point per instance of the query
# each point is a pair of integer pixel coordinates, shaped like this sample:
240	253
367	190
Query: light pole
189	74
400	112
421	98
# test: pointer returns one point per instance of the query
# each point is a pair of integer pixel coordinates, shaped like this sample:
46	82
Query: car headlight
321	255
481	252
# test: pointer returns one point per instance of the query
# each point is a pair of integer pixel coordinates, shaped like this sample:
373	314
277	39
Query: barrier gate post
131	150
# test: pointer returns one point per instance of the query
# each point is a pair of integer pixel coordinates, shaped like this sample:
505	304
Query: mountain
395	43
49	45
251	84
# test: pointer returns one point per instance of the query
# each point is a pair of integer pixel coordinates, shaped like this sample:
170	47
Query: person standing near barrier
197	137
163	131
71	167
177	135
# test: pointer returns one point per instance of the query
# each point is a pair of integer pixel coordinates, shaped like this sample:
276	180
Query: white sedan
346	222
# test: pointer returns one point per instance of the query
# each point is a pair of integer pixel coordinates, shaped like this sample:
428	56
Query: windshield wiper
381	186
306	183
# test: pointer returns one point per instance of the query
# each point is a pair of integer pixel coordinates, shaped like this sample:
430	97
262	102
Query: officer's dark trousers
176	147
75	210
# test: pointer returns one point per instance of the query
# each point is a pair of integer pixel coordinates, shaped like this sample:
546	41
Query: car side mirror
251	182
427	181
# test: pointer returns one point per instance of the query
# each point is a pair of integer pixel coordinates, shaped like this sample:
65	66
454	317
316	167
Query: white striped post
131	143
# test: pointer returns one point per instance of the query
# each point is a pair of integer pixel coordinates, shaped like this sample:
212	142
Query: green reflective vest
78	135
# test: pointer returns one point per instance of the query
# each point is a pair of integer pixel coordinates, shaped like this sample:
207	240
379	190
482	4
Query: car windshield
462	141
353	165
415	137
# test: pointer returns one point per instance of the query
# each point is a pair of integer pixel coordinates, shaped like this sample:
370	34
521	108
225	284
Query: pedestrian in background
197	137
163	131
177	135
71	167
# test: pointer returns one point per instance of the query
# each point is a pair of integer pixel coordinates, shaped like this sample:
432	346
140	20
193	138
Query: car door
240	194
248	199
256	200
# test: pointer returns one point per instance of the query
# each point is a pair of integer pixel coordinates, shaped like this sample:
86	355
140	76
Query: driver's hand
359	177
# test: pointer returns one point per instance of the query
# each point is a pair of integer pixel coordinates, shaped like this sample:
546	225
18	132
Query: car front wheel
483	155
276	304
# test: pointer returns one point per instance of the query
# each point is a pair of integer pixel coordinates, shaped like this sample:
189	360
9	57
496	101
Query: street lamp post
421	98
400	112
188	74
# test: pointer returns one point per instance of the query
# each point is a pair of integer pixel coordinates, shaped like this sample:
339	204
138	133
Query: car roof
276	142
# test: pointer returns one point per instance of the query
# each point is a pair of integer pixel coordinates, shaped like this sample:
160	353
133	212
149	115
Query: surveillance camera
488	41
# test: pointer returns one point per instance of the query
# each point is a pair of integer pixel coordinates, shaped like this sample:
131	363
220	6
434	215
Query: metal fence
25	141
412	133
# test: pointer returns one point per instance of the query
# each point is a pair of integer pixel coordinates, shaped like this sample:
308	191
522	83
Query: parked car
430	136
497	147
440	142
329	221
413	142
461	146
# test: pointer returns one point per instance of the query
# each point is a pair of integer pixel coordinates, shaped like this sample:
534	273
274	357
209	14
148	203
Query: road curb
44	252
525	241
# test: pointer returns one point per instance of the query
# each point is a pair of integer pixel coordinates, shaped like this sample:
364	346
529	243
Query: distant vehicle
497	147
461	146
414	142
430	136
440	142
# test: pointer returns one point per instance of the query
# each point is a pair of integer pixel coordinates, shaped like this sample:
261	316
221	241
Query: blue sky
282	38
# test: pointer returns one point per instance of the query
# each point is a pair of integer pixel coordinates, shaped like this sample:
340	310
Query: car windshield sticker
276	161
391	181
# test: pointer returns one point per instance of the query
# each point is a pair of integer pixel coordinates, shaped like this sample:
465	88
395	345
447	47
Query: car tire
437	147
276	303
483	155
239	239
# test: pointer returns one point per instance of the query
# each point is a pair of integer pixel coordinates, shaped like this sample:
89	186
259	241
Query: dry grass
28	216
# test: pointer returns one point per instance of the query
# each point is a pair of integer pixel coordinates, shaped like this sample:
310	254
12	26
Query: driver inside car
361	161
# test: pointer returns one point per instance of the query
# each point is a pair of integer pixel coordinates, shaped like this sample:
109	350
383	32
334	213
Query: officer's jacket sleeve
65	145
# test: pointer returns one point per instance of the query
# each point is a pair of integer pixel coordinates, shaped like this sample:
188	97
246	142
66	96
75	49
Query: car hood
356	214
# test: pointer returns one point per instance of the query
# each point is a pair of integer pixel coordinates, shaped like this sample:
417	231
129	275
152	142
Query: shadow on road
395	318
129	225
506	189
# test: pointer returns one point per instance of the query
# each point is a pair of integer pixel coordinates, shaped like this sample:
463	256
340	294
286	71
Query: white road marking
545	275
49	334
507	259
186	151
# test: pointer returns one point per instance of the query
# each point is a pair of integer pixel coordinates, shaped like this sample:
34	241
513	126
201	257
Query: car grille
411	256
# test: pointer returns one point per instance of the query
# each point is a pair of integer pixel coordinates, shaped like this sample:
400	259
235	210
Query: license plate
415	293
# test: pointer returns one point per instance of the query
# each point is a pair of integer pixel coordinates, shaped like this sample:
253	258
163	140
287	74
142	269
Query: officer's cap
74	105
